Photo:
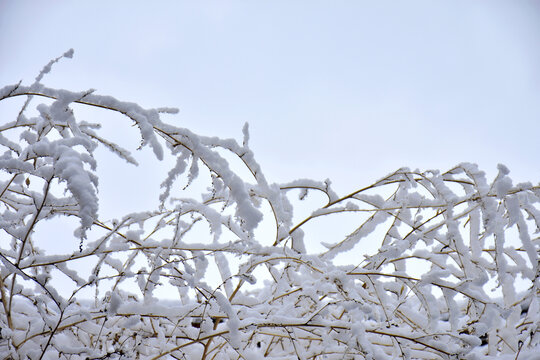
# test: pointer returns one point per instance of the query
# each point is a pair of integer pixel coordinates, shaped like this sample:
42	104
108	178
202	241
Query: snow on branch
455	273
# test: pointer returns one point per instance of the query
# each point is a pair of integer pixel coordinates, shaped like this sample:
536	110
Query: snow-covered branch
455	274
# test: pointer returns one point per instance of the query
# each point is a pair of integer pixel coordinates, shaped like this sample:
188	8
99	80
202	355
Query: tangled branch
456	274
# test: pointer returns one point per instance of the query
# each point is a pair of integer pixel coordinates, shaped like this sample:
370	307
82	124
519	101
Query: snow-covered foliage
456	274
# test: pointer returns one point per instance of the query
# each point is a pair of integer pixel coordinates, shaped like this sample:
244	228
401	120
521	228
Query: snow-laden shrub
455	275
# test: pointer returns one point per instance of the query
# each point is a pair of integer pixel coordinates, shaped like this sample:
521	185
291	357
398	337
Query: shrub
455	274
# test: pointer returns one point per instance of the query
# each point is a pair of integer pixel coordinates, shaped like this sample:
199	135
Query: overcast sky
349	90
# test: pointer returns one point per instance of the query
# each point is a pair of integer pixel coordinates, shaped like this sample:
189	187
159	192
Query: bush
455	274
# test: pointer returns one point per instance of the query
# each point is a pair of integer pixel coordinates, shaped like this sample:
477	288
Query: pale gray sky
349	90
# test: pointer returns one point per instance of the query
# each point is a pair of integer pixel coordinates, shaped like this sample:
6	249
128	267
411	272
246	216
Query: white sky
349	90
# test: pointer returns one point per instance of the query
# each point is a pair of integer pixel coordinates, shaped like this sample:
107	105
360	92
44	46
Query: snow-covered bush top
455	275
